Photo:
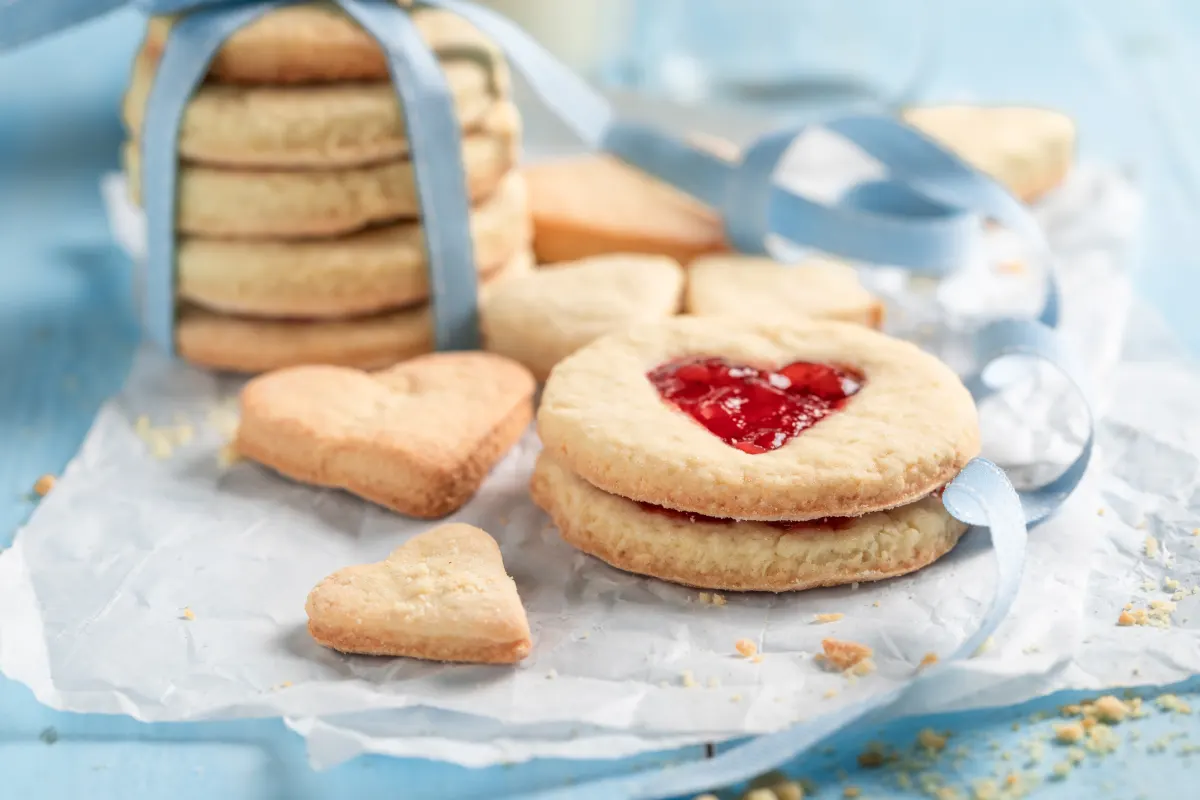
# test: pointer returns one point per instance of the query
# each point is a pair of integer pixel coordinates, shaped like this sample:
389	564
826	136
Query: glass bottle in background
791	58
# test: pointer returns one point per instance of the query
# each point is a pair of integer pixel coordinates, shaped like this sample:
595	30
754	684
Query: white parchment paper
168	586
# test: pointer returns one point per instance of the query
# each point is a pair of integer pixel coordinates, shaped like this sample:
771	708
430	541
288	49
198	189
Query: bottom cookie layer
243	344
740	555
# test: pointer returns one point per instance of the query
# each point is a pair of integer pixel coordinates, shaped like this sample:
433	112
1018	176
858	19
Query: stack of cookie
747	456
299	238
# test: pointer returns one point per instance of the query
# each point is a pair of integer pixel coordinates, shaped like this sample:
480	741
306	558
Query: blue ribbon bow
924	217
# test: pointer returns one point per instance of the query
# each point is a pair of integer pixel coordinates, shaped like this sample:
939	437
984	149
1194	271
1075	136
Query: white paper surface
94	592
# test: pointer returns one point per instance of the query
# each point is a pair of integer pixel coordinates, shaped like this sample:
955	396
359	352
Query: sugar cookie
765	290
595	205
442	596
318	43
1029	150
314	126
742	556
733	419
363	273
247	344
418	438
302	204
544	316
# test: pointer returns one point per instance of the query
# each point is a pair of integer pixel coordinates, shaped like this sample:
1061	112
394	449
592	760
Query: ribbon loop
1032	339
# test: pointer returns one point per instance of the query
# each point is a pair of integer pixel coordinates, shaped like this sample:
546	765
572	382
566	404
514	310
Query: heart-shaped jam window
752	409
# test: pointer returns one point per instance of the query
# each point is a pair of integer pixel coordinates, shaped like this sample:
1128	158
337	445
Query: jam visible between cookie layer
837	523
754	410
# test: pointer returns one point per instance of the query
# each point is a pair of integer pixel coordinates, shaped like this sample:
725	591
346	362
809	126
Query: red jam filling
836	523
752	409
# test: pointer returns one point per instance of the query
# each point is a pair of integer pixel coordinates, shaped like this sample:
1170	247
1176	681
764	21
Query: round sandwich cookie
318	43
304	204
250	345
316	126
731	555
541	318
363	273
762	289
775	422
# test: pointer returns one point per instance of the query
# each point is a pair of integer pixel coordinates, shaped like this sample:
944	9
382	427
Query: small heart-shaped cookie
442	596
418	438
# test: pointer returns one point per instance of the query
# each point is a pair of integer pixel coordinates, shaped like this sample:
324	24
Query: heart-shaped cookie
443	596
418	438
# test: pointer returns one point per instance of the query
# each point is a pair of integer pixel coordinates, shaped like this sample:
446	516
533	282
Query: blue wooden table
1125	71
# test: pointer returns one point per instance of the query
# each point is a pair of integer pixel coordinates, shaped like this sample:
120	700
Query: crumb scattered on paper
44	485
821	619
746	647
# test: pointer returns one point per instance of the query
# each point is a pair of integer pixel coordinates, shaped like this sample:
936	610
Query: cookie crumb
927	660
746	647
851	791
760	793
931	740
1151	547
1068	732
788	790
757	659
706	797
985	789
842	655
1172	703
1011	267
1170	584
551	674
688	679
821	619
705	598
188	614
1126	619
1061	770
830	693
44	485
1109	709
1099	512
283	685
718	599
1195	531
872	757
1101	739
1076	755
735	698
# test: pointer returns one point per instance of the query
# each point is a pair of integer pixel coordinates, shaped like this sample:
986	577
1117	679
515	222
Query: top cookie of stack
297	207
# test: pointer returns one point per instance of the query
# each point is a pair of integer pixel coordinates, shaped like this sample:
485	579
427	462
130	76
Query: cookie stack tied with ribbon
299	237
728	454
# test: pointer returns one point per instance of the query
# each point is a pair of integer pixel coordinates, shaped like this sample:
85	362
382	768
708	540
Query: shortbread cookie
1029	150
302	204
543	317
711	553
418	438
442	596
323	126
765	290
800	421
249	345
318	43
595	205
363	273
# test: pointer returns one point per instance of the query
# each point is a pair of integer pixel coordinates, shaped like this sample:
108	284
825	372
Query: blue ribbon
924	217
